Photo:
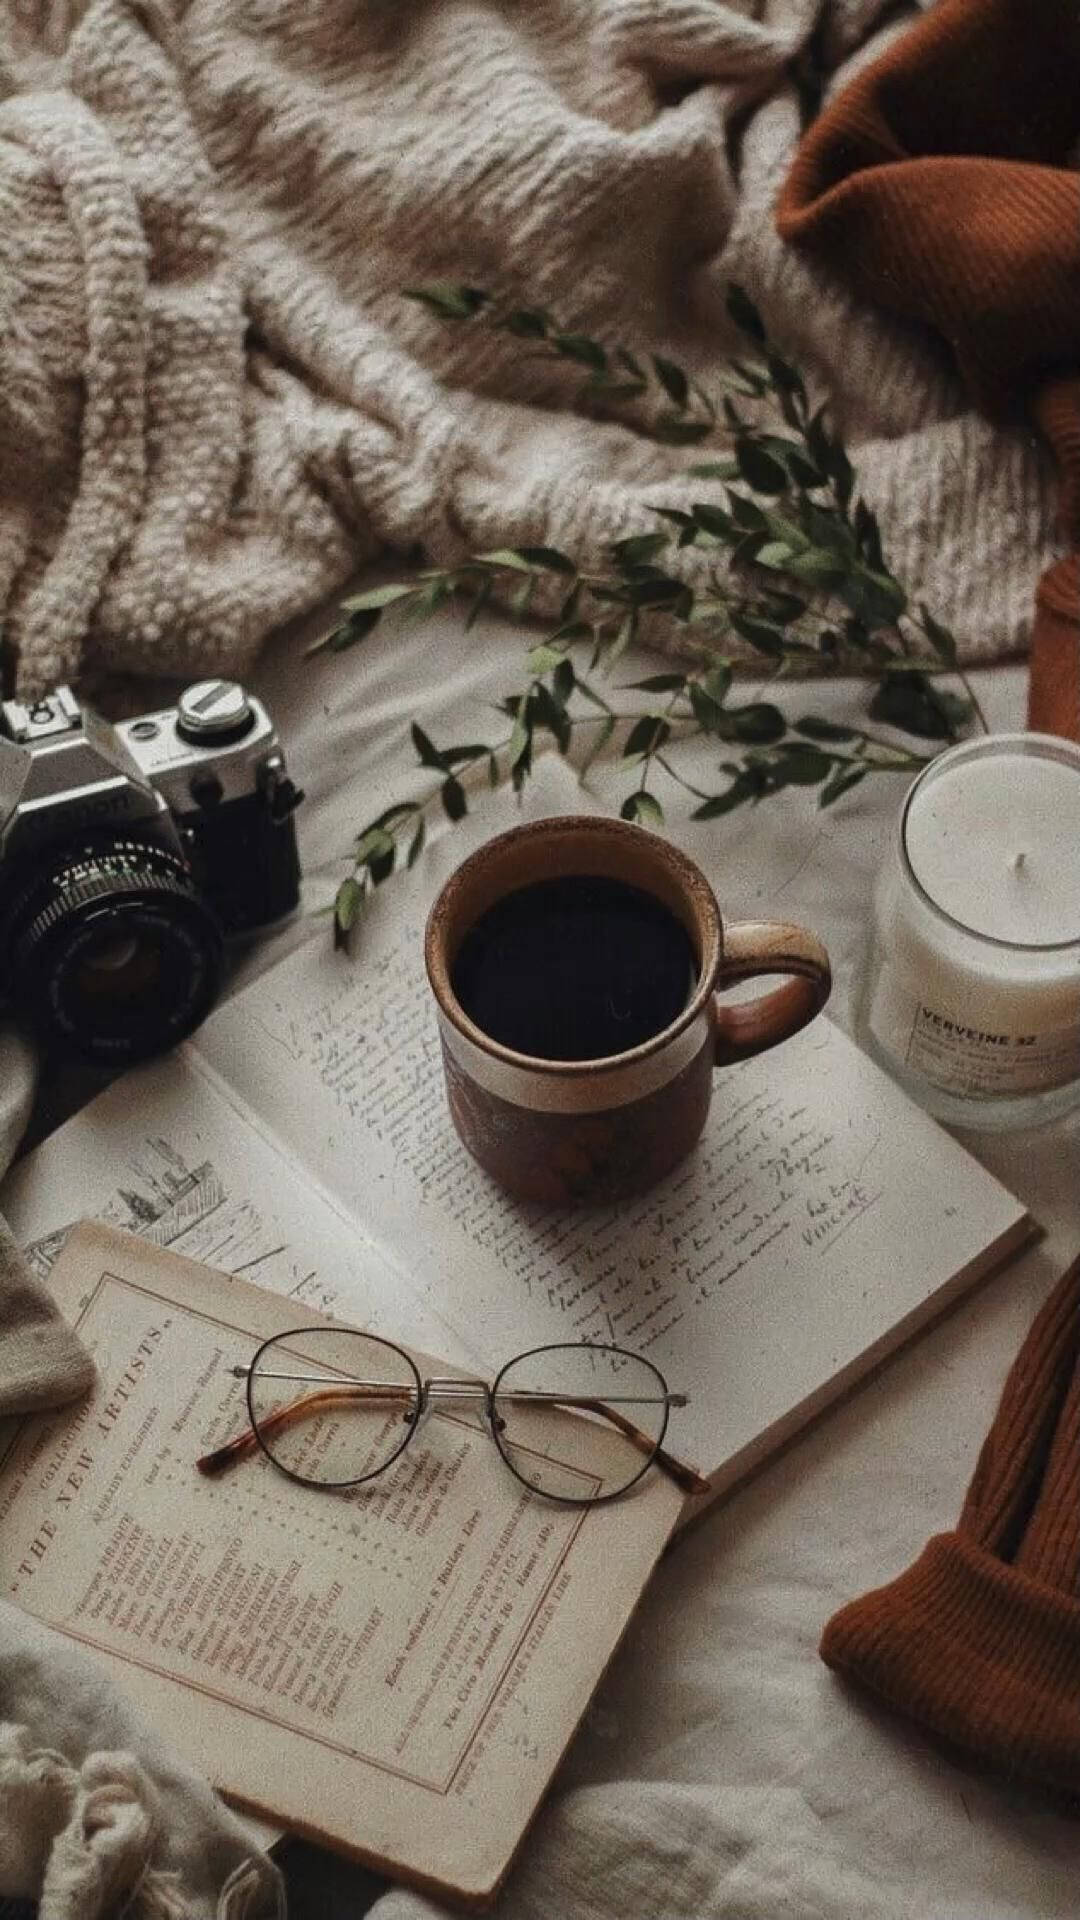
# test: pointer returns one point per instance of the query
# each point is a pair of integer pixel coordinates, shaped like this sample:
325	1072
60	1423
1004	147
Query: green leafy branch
788	559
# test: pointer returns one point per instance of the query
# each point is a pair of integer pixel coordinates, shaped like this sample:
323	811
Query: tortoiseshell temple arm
688	1478
244	1443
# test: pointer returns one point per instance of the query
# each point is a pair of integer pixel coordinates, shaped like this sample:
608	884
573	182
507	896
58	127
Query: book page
820	1219
396	1667
167	1154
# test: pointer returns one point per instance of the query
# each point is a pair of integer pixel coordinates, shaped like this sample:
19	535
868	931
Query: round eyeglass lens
579	1423
332	1408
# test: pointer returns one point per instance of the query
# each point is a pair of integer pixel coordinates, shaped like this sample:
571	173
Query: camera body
130	855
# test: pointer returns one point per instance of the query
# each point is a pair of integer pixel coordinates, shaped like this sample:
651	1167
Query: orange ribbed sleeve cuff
975	1651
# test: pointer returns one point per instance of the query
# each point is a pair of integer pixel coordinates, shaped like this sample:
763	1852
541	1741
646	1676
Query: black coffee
575	968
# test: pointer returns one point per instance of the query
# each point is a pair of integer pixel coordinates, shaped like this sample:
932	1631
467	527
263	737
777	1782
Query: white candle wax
973	987
995	843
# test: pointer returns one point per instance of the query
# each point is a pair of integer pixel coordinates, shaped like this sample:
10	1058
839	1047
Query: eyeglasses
577	1423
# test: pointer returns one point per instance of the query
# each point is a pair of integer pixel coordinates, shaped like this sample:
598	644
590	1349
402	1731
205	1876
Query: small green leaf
817	729
660	591
841	782
548	713
427	753
816	567
713	519
804	472
563	681
348	901
940	638
674	515
785	377
528	323
658	683
544	658
913	703
748	513
355	628
876	597
717	682
381	865
548	559
745	314
643	808
521	738
707	611
521	596
505	557
715	470
377	597
774	555
603	734
452	795
576	346
416	844
625	636
868	535
638	548
745	786
568	610
708	712
479	601
782	607
646	735
757	724
464	756
760	634
392	816
758	468
804	766
448	301
672	379
431	597
747	549
376	843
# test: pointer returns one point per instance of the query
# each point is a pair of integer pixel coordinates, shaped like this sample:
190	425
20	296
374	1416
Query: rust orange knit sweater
939	185
980	1639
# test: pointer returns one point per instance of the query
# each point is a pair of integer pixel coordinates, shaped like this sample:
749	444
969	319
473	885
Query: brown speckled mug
572	1132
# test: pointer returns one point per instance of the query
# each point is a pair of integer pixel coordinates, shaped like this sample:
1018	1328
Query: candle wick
1019	860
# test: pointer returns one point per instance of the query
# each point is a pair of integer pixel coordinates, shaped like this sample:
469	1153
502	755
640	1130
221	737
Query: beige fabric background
214	401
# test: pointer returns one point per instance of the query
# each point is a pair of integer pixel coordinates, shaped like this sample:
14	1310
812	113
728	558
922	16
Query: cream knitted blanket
215	403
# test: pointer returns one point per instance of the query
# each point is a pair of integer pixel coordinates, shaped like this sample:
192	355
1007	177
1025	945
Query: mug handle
753	947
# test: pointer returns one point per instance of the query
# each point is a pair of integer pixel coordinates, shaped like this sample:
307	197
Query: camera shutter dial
213	712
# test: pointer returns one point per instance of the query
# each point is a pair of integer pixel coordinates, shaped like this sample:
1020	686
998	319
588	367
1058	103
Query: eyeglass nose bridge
445	1387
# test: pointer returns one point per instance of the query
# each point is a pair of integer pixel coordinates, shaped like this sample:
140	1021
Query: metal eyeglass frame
427	1391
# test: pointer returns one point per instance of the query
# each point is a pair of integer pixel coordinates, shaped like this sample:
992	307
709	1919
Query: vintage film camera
129	855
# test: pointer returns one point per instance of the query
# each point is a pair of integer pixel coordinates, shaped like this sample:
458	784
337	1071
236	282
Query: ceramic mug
591	1131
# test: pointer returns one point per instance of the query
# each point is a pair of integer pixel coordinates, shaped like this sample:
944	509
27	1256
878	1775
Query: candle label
969	1059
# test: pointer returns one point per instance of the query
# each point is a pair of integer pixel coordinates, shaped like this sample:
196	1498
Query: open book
303	1141
396	1669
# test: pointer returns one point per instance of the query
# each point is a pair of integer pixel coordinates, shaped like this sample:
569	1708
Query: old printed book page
395	1669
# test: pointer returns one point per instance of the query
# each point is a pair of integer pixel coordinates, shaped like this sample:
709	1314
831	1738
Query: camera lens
114	951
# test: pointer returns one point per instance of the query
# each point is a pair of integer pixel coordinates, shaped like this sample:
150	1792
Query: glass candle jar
970	994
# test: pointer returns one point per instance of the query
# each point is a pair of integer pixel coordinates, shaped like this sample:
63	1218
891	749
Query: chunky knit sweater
215	402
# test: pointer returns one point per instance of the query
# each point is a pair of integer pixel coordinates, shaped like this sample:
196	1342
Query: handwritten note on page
822	1215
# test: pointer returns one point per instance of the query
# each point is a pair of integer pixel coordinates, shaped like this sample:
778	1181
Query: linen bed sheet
722	1770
